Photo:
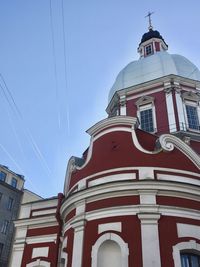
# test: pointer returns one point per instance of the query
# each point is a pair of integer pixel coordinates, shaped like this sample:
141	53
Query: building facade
133	198
11	190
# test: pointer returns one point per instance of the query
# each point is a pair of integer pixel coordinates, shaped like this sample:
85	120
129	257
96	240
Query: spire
150	23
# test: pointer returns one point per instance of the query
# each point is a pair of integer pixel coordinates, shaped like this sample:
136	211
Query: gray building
11	191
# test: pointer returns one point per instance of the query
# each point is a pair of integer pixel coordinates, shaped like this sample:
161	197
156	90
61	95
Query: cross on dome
150	23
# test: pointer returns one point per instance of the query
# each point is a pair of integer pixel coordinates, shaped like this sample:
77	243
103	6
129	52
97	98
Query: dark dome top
151	34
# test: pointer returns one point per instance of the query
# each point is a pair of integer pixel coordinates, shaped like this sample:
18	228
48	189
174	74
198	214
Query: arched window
110	250
109	254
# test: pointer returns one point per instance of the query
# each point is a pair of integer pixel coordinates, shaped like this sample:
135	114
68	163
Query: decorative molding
112	122
38	262
41	239
188	230
144	100
115	226
191	96
169	142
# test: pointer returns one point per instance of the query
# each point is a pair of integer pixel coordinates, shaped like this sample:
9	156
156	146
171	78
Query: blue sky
59	93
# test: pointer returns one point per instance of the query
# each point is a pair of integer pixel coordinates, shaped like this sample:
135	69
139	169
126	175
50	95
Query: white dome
152	67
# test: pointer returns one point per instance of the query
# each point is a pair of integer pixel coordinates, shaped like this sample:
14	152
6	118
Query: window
14	182
10	203
2	176
146	113
190	260
1	249
146	120
148	50
4	227
192	117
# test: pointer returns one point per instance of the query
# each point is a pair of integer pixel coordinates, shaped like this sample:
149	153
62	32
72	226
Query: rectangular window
148	50
14	182
1	249
190	260
2	176
4	227
146	120
192	117
10	203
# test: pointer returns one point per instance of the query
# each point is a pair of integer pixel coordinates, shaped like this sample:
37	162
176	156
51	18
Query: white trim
145	172
177	178
188	230
118	240
43	212
113	178
170	111
168	142
180	110
37	263
191	245
41	239
112	122
78	226
115	226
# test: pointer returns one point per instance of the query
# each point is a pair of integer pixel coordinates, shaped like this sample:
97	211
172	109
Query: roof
152	67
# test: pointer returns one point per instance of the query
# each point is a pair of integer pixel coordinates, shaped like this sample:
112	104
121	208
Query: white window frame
114	237
38	263
146	47
191	246
193	104
145	107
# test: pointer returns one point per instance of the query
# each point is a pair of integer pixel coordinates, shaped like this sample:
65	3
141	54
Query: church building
132	200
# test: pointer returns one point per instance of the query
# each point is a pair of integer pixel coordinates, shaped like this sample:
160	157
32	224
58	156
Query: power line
54	60
65	61
10	99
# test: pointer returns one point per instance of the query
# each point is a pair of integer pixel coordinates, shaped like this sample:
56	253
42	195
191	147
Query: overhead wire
10	99
65	64
55	65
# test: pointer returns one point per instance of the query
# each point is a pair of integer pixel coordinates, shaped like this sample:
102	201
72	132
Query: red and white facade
133	199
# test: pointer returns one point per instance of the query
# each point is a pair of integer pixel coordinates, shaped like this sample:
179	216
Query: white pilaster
123	105
170	110
180	110
150	239
78	226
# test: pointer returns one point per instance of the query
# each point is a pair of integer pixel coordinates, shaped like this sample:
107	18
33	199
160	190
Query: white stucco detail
150	239
146	173
78	226
180	109
38	263
147	196
188	230
177	178
109	227
41	239
43	212
118	240
40	252
113	178
191	246
16	256
169	142
170	112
